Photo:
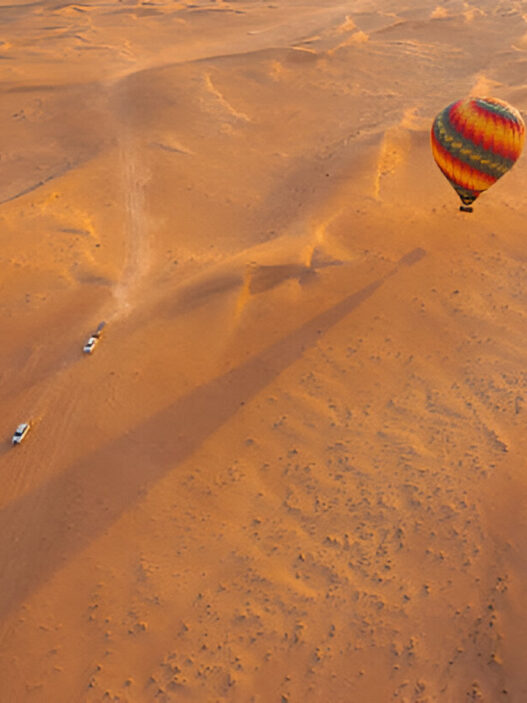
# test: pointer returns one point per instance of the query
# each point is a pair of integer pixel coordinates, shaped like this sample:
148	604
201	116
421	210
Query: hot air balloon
474	142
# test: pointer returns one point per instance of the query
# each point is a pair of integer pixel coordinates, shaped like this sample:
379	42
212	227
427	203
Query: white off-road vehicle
94	339
20	433
90	344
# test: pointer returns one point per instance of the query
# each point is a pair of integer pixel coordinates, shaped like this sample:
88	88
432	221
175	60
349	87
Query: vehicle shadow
42	530
5	447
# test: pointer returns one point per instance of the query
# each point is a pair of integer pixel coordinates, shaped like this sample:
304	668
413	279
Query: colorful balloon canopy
474	142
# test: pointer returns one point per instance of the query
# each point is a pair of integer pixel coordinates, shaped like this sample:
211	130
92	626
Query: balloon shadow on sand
44	529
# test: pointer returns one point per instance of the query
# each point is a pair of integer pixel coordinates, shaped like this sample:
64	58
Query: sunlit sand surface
293	468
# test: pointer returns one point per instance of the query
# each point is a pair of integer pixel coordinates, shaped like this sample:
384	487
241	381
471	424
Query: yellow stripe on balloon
499	139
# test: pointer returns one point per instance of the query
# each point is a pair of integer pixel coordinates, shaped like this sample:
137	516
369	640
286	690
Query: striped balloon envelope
474	142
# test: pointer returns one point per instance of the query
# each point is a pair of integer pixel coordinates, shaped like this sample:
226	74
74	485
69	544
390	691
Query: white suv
94	339
20	432
90	345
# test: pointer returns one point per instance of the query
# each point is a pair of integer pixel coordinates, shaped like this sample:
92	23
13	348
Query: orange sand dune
292	469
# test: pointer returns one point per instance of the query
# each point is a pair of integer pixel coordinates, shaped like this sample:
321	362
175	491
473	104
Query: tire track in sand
134	178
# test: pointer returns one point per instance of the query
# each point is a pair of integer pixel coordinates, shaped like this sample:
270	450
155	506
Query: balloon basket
465	208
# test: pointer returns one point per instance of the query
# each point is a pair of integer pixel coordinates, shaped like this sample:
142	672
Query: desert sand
293	468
